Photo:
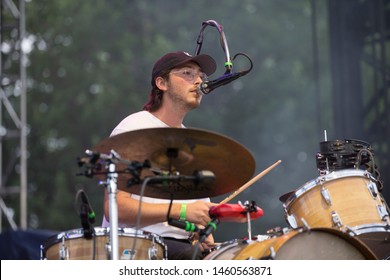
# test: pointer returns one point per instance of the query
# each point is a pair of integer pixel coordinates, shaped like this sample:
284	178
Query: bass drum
133	244
378	241
314	244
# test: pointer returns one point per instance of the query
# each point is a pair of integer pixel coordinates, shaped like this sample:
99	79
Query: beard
187	100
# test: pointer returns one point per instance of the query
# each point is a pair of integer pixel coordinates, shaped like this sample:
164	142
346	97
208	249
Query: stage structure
13	126
359	33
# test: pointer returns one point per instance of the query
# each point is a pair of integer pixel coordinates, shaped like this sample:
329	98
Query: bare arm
197	212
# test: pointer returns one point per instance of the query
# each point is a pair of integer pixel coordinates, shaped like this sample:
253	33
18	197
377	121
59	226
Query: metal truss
13	127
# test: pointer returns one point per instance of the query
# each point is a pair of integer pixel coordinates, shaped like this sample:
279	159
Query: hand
207	245
198	212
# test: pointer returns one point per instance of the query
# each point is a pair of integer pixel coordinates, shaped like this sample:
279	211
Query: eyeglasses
190	74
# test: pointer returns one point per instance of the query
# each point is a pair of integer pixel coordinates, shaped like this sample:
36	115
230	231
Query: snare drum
315	244
347	200
133	244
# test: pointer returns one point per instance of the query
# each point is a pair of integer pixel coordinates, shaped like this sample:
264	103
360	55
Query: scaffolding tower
13	112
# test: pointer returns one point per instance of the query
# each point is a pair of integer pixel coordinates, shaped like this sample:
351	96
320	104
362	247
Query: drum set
341	214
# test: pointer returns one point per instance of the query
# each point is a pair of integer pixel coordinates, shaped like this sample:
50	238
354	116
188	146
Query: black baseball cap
176	59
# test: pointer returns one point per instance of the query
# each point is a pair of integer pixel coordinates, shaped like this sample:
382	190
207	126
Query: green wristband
183	212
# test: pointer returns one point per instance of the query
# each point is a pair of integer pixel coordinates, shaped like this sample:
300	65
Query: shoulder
137	115
138	120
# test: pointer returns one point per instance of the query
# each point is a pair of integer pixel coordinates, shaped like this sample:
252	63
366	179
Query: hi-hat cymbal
193	150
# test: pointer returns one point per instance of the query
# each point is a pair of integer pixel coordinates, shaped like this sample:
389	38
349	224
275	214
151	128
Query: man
175	80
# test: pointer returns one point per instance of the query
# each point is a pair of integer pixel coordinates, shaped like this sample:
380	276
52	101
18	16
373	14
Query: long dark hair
156	95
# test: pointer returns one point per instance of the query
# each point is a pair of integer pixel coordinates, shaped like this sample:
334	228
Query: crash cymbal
182	151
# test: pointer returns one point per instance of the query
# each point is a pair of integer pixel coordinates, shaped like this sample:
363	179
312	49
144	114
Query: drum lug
336	219
372	189
42	254
382	212
306	226
64	252
273	253
271	256
152	252
108	251
326	196
292	221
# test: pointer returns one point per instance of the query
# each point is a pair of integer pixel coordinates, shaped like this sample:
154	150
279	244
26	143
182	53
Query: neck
172	119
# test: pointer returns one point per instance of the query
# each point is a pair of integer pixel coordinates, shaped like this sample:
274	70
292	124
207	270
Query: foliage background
91	64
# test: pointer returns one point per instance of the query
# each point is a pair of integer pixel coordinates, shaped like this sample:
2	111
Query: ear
161	83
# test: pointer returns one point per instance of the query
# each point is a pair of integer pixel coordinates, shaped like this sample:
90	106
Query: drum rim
295	233
370	228
221	248
337	174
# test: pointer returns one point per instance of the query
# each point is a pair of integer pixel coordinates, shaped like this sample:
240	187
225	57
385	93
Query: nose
198	79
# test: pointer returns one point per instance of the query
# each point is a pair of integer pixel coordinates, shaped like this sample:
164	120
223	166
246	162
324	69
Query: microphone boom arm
225	47
208	86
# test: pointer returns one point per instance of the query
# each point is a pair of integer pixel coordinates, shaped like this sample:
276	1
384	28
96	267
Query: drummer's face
182	85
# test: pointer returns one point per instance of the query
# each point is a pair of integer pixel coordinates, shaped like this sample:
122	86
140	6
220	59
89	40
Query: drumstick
250	182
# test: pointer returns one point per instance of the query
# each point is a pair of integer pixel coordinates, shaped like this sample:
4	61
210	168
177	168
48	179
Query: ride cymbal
182	151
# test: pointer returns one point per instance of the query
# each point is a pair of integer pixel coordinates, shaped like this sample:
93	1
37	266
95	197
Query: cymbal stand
133	167
249	226
112	189
249	207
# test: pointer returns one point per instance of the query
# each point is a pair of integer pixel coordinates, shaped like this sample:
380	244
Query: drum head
323	244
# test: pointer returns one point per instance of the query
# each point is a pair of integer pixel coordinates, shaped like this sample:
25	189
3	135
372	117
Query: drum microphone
210	228
207	86
85	223
87	216
187	226
199	176
91	213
